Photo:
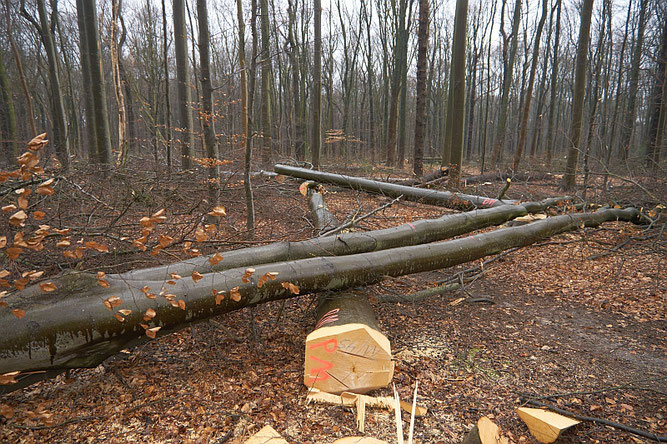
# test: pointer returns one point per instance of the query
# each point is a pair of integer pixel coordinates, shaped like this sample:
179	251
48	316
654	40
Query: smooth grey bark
569	179
633	81
554	87
316	105
420	113
265	57
508	74
432	197
45	31
400	59
72	328
99	97
183	96
167	102
418	232
322	217
208	118
529	94
458	93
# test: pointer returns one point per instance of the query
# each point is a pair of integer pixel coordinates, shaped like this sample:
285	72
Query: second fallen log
347	352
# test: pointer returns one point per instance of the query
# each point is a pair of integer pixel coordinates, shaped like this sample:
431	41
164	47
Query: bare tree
457	96
420	118
183	96
569	179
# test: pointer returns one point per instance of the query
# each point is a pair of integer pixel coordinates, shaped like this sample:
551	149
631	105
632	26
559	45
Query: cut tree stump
347	352
544	425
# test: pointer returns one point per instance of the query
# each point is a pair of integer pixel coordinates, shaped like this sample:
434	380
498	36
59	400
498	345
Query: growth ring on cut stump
347	351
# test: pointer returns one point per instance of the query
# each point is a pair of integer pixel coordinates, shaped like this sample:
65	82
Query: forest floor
580	317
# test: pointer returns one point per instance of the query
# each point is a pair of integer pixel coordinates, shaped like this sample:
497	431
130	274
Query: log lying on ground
347	352
418	232
430	177
323	219
72	327
498	175
458	201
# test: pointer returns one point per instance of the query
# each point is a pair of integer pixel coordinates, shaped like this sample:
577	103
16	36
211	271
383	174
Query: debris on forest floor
267	435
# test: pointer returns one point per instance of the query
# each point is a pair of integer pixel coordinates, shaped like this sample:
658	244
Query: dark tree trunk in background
458	93
420	113
316	106
265	58
554	88
396	75
656	135
183	96
569	179
208	118
7	118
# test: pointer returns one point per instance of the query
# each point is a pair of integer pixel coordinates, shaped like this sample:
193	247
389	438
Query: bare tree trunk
19	68
45	32
554	87
165	65
116	47
531	81
396	74
316	106
420	118
88	12
183	96
508	74
265	57
658	105
458	93
7	118
208	118
72	328
569	179
633	81
245	138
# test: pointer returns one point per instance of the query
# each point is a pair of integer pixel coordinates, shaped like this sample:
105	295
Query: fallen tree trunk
498	175
323	219
347	351
73	326
458	201
418	232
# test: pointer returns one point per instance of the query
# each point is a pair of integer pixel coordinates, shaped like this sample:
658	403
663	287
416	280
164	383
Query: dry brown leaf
6	411
69	254
3	241
196	276
102	283
47	287
9	378
13	252
246	276
45	191
4	274
165	241
18	313
181	304
63	243
151	332
23	203
175	276
291	287
215	259
38	215
218	211
21	283
149	314
18	218
119	317
234	294
8	208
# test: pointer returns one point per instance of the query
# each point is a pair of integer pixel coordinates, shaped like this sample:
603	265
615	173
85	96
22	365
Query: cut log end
544	425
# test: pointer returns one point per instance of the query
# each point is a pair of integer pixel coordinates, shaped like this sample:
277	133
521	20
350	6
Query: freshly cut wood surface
544	425
350	399
359	440
347	352
267	435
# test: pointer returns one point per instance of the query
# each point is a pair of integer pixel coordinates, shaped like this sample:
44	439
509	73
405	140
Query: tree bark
396	74
432	197
71	327
167	102
420	114
323	219
554	87
208	118
458	93
183	96
265	57
316	106
418	232
45	32
656	134
508	74
531	81
246	138
569	179
8	116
